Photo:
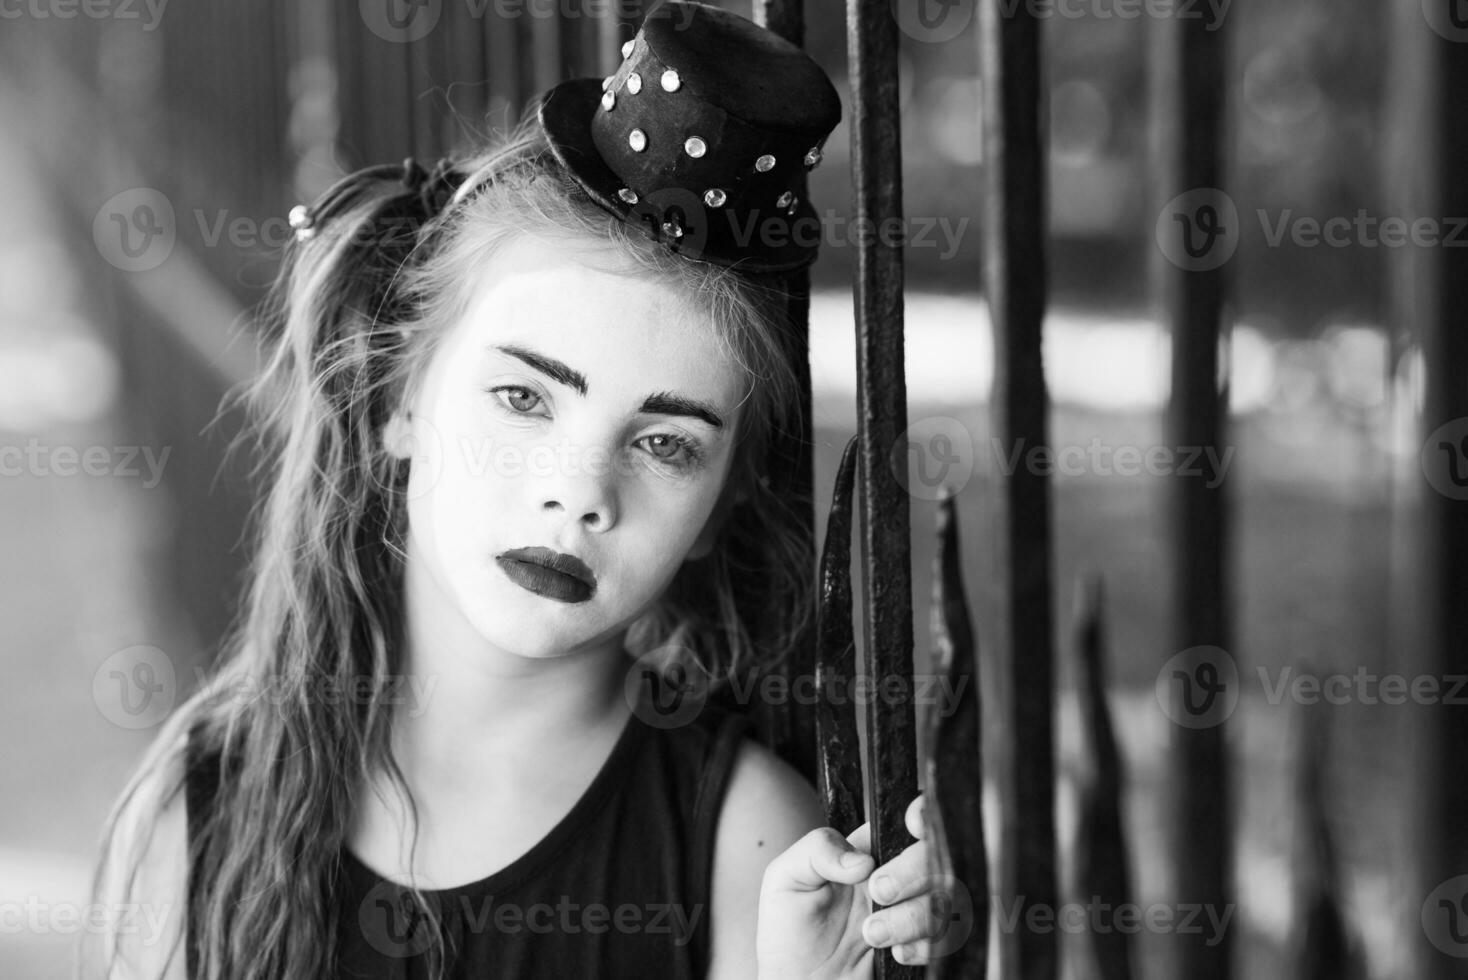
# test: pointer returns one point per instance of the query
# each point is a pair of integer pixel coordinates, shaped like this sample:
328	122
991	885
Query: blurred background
154	149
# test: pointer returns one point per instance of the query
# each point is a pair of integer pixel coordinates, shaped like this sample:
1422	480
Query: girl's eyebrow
667	403
658	403
549	366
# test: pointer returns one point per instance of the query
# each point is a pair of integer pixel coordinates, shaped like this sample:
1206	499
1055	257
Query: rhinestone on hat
813	157
606	83
673	228
765	164
628	48
608	100
786	200
637	139
628	195
715	197
671	81
634	83
695	147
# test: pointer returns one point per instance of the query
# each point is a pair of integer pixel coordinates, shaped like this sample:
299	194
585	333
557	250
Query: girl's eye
520	400
672	449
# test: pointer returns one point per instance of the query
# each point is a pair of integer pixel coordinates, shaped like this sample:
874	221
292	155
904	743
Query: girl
521	405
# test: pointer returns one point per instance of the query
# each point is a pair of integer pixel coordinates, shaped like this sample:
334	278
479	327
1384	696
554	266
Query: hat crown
748	71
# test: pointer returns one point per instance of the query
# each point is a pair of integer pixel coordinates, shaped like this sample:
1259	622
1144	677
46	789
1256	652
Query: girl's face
570	438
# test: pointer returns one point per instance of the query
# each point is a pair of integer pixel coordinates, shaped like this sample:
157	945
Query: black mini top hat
700	136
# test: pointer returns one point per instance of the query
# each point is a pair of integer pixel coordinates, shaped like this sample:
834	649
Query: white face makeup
573	411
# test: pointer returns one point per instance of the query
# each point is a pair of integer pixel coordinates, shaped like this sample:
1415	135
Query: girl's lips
548	573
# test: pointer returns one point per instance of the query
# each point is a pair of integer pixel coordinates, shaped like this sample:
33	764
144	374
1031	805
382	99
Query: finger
913	954
819	857
906	922
903	877
914	818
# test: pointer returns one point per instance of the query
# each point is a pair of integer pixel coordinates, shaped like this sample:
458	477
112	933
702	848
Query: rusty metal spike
1103	863
839	765
953	768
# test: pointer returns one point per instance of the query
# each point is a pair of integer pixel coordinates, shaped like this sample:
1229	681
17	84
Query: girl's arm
768	806
145	922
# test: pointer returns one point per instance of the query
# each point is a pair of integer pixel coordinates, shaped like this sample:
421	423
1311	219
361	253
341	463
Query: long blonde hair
354	315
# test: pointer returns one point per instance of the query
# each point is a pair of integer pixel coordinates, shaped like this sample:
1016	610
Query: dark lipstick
548	573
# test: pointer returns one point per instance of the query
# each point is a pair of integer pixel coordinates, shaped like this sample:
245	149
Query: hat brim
565	114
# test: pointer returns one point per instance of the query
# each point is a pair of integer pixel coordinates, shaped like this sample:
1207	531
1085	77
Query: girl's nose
586	497
597	516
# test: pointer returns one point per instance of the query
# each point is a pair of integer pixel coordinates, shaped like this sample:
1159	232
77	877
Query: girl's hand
815	909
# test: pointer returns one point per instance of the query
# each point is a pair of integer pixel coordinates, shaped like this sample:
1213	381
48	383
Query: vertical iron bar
953	768
891	728
1102	858
1188	78
1430	71
1446	356
839	758
1014	283
785	17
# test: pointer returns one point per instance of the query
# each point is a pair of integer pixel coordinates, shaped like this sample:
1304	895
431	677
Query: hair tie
307	220
433	190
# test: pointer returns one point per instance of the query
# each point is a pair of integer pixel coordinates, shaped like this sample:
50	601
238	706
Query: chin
534	628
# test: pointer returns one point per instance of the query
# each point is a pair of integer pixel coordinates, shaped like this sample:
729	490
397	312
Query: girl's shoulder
767	802
767	807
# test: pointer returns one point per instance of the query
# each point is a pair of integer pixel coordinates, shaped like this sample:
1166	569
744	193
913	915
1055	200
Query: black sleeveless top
619	888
